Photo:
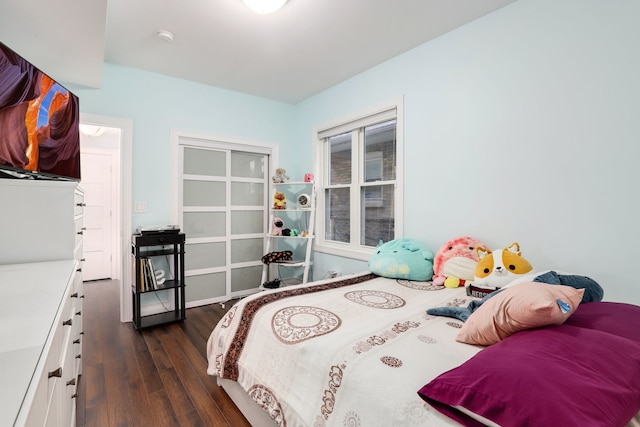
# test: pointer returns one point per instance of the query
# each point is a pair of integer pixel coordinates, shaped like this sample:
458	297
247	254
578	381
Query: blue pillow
402	259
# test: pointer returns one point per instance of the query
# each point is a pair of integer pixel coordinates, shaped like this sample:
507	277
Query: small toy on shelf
292	232
277	256
308	177
279	200
280	176
276	229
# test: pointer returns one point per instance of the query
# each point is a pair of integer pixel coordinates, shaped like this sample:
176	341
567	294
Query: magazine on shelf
162	269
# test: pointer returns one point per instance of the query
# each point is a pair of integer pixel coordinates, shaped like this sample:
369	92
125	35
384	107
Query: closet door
223	214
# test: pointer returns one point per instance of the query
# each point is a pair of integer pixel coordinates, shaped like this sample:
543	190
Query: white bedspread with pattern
351	351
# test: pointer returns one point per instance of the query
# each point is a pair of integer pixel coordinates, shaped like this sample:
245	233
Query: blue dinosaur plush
592	292
402	259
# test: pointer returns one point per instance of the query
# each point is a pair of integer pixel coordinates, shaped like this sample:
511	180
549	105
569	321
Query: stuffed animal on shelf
455	262
279	200
293	232
276	229
280	176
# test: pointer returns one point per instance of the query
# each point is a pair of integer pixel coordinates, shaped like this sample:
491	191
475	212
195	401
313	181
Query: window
359	185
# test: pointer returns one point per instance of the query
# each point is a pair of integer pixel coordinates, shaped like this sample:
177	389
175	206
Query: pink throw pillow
522	306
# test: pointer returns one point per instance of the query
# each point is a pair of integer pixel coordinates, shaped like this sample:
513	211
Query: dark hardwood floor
156	377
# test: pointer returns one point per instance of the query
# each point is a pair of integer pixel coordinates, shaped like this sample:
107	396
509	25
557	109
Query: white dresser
41	303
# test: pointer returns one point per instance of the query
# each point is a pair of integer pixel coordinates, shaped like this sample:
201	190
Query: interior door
96	167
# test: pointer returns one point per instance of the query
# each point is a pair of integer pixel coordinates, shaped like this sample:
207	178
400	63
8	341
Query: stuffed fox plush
500	267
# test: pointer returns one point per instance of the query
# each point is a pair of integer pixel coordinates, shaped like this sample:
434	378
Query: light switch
140	207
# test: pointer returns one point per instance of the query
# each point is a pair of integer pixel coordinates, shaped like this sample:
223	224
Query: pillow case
562	375
523	306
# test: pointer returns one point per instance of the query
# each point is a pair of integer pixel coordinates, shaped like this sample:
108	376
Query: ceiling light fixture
264	6
165	35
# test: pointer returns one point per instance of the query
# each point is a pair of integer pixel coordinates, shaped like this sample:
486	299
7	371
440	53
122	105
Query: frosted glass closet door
248	219
224	219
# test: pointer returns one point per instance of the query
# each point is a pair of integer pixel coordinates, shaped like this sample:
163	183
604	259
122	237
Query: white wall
520	126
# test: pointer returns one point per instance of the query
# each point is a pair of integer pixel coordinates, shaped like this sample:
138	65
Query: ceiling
290	55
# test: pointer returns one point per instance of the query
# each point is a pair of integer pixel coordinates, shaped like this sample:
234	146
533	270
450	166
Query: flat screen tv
39	123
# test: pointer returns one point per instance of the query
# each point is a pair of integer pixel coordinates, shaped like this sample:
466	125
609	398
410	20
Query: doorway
100	154
105	145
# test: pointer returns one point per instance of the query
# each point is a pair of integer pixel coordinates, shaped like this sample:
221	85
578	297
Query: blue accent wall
519	126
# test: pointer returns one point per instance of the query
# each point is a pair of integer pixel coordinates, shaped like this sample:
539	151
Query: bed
360	350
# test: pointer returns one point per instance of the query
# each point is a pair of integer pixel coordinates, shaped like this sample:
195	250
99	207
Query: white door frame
122	197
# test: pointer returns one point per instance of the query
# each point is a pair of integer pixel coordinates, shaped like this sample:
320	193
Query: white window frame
370	116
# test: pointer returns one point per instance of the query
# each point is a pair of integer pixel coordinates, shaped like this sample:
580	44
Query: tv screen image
39	122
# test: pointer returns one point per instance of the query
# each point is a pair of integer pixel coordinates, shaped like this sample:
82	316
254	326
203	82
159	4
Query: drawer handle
75	395
67	323
79	270
72	381
78	313
76	341
80	233
82	259
79	356
81	204
57	373
74	295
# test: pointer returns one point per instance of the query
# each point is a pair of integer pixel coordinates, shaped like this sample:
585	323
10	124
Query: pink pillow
522	306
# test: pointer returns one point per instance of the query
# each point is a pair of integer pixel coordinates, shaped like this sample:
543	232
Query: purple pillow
558	375
613	317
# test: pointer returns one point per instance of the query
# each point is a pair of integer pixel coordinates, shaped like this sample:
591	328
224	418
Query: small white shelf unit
300	218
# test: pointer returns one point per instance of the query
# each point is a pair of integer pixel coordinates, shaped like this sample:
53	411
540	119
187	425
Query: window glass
380	151
339	164
377	206
337	215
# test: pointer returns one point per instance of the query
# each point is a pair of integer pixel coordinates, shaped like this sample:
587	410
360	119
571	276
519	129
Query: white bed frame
249	408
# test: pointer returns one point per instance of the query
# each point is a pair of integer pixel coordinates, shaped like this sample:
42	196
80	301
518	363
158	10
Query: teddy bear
280	176
279	200
276	229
